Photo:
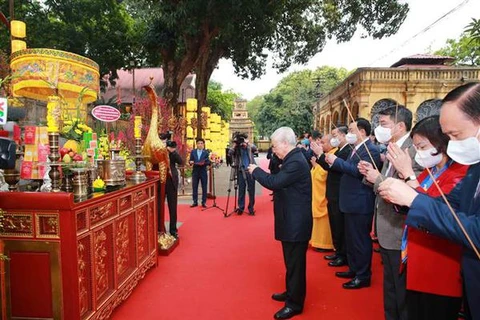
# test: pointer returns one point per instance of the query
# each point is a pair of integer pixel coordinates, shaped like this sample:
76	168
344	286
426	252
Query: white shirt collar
402	139
359	145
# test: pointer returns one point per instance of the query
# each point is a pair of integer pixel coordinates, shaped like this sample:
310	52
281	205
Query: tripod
233	178
214	205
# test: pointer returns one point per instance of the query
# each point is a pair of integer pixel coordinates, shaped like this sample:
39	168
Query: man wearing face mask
460	120
335	217
395	125
357	203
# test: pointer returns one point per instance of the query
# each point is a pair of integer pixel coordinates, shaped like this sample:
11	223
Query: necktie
353	152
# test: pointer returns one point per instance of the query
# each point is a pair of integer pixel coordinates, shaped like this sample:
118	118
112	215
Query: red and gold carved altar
80	260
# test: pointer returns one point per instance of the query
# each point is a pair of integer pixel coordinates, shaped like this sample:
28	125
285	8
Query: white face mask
351	138
382	134
334	142
426	159
465	151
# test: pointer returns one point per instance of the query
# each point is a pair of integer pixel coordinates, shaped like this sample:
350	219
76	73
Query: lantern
18	29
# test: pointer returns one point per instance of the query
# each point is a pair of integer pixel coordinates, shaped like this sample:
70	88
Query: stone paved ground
222	183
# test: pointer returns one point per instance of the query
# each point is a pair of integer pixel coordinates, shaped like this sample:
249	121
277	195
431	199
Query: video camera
239	139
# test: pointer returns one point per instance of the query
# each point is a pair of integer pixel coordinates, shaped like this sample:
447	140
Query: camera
239	139
171	144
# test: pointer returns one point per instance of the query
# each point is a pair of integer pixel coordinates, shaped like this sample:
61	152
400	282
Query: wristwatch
410	178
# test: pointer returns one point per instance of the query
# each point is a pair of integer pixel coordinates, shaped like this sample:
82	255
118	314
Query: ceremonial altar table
77	259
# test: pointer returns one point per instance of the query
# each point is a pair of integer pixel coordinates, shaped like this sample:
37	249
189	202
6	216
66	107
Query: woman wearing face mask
434	284
460	120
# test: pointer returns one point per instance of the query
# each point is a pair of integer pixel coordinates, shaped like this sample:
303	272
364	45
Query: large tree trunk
176	68
204	69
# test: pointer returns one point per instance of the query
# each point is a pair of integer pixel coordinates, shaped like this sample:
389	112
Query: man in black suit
292	207
357	203
171	187
335	217
199	159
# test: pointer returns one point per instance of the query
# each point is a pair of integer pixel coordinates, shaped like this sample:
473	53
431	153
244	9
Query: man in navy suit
292	207
199	159
357	203
460	120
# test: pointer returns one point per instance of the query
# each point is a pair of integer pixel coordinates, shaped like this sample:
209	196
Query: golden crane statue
154	149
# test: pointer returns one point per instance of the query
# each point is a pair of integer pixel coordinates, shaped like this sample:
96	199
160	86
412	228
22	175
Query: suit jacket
389	224
175	159
200	164
433	215
355	196
427	252
292	198
333	178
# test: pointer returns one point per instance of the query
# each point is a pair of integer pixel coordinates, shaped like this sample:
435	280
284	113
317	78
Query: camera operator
242	155
171	187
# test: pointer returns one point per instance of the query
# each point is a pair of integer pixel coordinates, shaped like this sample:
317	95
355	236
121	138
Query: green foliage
291	102
101	30
220	102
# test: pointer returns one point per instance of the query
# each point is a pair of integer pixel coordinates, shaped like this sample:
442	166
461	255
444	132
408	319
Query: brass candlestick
138	176
54	157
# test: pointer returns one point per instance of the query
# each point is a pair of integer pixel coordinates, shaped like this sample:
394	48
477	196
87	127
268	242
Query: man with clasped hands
199	159
292	206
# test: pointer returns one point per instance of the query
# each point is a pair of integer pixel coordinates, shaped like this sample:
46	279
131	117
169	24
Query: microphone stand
214	196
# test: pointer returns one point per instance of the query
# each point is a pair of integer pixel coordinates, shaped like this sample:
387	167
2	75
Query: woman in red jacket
434	283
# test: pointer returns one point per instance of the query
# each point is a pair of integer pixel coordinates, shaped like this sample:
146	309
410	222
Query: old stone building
418	82
240	122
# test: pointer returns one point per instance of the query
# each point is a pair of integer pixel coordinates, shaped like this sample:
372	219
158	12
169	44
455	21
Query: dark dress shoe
356	283
322	250
345	274
286	313
279	296
330	257
251	213
193	205
339	262
238	211
204	205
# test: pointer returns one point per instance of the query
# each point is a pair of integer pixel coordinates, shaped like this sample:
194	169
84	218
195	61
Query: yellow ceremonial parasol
40	73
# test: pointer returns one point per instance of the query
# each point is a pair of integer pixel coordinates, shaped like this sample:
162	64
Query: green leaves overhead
291	102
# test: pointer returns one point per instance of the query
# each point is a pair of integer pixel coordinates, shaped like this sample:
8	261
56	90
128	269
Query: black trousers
199	175
394	285
171	191
337	227
426	306
295	257
359	244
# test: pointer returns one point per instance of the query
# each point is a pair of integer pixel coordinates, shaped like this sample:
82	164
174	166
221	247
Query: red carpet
228	268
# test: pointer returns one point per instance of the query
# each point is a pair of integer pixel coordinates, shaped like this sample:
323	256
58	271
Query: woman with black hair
432	263
460	120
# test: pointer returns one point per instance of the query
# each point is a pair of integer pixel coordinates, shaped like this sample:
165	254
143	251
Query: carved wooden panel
140	196
84	251
18	225
125	245
82	221
142	232
152	228
103	211
47	225
103	262
125	203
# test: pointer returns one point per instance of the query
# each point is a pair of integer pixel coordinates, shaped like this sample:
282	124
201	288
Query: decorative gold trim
53	222
53	249
19	224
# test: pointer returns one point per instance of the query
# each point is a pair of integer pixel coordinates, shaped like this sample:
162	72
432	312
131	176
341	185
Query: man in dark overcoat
292	187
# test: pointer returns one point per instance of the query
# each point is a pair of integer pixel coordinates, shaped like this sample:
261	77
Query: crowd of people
413	188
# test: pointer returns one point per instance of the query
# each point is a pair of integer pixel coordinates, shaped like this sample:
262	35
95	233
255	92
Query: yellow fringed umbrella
39	73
